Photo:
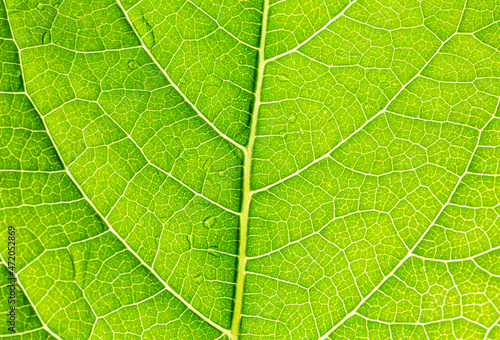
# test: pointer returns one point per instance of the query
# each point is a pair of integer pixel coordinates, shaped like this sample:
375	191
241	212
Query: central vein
247	194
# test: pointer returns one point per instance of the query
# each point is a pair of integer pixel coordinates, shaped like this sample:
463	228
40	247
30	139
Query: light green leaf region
240	169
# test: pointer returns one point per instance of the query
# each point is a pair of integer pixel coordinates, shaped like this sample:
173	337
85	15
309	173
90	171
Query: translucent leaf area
251	169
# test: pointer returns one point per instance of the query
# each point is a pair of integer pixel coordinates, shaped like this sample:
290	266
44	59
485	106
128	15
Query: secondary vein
174	85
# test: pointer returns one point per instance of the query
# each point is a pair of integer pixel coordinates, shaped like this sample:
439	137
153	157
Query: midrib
247	193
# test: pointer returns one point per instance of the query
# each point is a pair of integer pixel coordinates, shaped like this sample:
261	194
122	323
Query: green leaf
237	169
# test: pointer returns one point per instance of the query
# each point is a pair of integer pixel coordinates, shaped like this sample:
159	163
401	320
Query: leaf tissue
250	169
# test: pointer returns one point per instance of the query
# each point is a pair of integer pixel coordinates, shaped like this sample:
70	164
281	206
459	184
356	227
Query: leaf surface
251	169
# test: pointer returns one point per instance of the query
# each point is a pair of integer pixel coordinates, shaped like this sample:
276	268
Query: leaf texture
239	169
